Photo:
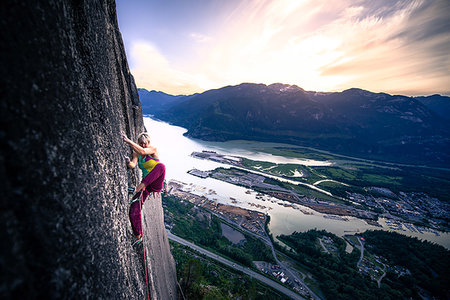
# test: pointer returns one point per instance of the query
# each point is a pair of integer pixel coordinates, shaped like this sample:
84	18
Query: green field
284	170
299	152
356	173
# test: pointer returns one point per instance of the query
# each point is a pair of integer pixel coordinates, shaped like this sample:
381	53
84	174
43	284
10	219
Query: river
175	152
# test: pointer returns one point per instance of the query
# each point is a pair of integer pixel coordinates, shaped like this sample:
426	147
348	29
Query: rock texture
66	96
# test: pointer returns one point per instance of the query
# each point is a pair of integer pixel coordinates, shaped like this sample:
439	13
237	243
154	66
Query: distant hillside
353	122
153	102
438	104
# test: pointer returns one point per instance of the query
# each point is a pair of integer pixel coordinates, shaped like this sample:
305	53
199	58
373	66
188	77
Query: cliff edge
66	96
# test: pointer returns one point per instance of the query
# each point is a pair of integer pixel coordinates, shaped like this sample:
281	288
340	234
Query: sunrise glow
395	47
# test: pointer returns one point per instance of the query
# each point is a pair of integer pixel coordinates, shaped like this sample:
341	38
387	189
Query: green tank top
146	163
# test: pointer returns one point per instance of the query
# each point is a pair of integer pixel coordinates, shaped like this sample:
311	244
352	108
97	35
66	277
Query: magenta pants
154	182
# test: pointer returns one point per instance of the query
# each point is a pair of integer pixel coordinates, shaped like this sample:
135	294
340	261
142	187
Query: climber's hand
140	187
125	138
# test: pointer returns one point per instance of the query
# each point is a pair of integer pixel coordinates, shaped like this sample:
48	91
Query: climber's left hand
140	187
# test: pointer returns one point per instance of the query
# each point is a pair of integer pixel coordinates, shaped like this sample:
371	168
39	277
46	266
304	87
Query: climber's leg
154	181
135	217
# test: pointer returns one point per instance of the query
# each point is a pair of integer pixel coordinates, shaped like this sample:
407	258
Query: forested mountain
154	102
438	104
353	122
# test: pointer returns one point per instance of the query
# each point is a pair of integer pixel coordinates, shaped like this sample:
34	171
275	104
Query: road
292	274
361	258
266	240
323	246
382	276
282	179
235	266
362	252
330	180
279	178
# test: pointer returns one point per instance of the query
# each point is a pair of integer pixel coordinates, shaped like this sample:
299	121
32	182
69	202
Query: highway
267	240
238	267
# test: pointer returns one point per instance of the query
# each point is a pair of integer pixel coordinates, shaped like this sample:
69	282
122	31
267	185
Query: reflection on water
175	149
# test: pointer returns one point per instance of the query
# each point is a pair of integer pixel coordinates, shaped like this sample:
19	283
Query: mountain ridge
353	122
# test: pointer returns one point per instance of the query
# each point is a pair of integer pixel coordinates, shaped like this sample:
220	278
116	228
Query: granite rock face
66	96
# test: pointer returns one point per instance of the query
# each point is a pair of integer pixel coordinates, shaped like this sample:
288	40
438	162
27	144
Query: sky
189	46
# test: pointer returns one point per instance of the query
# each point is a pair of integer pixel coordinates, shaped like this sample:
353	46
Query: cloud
153	71
400	51
399	46
198	37
394	46
271	41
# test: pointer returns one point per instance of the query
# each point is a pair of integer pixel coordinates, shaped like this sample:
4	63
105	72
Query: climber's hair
143	137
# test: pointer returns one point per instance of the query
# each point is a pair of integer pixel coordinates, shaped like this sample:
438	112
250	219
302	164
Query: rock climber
153	173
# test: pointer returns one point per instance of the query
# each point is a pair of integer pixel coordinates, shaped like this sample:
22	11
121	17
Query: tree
192	273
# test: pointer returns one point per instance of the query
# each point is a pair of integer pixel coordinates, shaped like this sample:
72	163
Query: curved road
229	263
323	246
330	180
282	179
362	252
382	276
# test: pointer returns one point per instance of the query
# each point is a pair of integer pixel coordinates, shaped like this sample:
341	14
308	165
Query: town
399	211
257	182
413	211
374	266
416	208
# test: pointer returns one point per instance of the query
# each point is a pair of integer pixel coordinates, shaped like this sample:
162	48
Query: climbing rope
141	198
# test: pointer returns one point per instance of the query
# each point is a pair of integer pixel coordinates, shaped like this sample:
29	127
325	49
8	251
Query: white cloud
323	45
200	38
317	44
270	42
153	71
377	53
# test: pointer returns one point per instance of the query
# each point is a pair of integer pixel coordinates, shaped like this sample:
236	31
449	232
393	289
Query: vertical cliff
66	95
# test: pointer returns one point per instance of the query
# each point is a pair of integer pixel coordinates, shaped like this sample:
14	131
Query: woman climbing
153	173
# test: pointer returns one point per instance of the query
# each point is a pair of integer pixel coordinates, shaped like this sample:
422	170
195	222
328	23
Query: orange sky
398	47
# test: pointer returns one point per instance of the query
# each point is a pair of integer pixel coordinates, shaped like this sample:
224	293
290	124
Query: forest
202	278
428	262
339	278
203	228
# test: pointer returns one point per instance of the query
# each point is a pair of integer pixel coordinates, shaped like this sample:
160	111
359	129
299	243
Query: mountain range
353	122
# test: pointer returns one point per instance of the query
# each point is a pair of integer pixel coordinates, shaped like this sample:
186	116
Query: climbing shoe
133	200
137	242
